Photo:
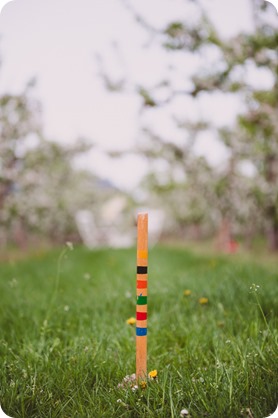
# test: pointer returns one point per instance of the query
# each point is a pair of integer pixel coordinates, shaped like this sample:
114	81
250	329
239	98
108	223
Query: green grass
65	344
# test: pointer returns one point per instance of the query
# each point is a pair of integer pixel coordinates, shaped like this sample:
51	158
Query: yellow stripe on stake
142	253
141	306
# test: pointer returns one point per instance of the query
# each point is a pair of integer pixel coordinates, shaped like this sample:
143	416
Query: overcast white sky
57	42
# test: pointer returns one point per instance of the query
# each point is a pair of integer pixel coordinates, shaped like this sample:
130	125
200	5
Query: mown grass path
65	344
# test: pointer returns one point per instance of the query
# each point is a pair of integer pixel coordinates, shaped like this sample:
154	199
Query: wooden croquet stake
142	293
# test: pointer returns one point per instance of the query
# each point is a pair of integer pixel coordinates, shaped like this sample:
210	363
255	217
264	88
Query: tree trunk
271	174
224	235
19	234
272	238
272	230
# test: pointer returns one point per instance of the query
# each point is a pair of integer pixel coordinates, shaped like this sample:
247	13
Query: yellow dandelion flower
187	292
153	374
143	384
203	301
131	321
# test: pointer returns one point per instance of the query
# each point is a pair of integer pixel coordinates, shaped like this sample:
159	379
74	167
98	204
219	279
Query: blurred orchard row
45	197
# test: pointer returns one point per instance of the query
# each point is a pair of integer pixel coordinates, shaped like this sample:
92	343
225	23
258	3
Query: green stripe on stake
142	300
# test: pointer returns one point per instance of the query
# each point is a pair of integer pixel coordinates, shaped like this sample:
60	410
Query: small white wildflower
69	245
122	403
66	308
201	380
254	287
129	381
128	295
184	412
87	276
129	378
13	282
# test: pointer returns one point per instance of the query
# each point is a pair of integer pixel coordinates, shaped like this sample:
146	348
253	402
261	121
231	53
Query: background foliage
41	190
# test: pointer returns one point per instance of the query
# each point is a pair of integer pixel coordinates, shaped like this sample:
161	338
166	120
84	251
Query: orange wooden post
142	293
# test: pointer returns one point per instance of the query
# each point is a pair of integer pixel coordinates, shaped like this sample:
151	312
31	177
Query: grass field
65	344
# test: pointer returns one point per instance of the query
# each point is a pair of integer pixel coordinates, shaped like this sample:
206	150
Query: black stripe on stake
142	270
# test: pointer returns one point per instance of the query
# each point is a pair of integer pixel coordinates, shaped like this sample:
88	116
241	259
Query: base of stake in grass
142	294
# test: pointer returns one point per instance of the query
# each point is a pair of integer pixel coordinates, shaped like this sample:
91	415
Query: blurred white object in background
3	3
113	209
87	228
275	3
109	233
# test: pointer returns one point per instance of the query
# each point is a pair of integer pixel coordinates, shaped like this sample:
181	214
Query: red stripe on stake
141	316
142	284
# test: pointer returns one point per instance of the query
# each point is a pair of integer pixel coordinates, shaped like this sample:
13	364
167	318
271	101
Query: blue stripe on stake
140	332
